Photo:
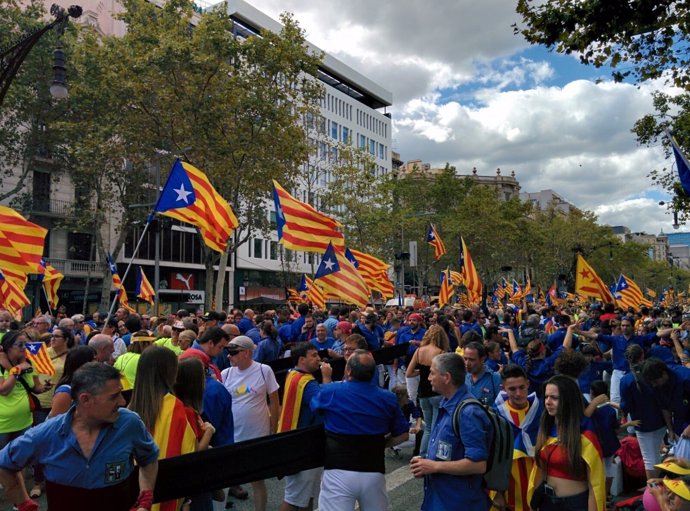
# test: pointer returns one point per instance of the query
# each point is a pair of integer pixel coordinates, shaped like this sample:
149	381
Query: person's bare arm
15	490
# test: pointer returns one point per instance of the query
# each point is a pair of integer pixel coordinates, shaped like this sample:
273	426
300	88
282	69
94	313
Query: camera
27	370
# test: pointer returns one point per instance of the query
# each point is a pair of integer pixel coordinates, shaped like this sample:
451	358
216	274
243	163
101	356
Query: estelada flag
188	196
588	283
37	354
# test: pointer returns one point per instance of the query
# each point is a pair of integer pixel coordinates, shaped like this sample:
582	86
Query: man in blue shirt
322	341
371	330
296	413
87	453
482	382
454	465
672	388
361	420
617	344
413	333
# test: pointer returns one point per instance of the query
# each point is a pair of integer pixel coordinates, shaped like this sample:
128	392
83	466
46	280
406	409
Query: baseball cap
242	342
211	316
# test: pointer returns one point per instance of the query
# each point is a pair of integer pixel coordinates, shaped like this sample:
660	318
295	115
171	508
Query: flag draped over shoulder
681	164
373	270
117	282
188	196
51	280
301	227
174	437
588	283
310	292
433	239
12	295
20	237
447	290
295	383
470	277
339	278
629	294
144	289
37	354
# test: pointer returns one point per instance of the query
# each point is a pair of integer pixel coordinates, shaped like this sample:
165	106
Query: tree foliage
640	39
180	84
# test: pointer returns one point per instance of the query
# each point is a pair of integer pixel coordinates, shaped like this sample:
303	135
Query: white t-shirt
249	389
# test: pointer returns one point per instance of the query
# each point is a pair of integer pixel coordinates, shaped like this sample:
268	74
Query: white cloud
465	93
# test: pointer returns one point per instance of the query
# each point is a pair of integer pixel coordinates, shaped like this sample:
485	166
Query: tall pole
157	242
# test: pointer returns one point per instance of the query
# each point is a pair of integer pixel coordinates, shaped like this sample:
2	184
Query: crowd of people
571	380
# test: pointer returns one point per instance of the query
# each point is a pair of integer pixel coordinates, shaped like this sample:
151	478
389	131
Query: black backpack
500	450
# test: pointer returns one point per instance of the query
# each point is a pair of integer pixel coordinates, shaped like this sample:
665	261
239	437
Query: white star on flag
329	264
182	194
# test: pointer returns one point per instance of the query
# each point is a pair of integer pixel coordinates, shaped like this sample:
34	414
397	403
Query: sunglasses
19	345
232	353
57	336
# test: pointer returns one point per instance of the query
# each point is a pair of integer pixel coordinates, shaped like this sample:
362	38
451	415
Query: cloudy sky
469	92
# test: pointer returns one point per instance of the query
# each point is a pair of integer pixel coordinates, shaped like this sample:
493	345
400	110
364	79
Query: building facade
352	112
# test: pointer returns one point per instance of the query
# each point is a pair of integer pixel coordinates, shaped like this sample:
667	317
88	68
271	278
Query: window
79	246
333	156
273	253
321	126
346	135
41	191
362	141
372	147
310	120
272	219
258	248
334	130
381	151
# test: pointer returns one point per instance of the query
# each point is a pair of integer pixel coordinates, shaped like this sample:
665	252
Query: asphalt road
404	492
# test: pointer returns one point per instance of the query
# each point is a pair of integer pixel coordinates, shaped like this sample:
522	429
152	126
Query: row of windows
337	106
267	249
371	123
375	148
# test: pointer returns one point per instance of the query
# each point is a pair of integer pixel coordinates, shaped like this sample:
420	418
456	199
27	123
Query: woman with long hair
268	348
434	342
127	363
569	470
189	388
62	399
163	413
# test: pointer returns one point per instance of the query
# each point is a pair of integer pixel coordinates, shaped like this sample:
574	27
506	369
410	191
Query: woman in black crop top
435	341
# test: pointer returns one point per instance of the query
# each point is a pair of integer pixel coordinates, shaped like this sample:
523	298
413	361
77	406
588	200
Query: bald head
104	347
231	330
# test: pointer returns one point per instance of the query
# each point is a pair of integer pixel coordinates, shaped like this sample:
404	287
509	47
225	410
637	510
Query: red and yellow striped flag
37	354
144	289
21	242
301	227
374	272
588	283
117	282
447	289
295	383
174	437
310	292
339	278
433	239
12	296
190	197
470	277
51	283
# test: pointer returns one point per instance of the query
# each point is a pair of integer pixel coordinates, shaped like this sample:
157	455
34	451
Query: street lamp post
13	57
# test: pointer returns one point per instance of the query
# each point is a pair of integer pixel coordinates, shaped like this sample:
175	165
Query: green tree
184	81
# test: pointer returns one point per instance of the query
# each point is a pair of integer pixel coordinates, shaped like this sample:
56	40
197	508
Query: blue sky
469	92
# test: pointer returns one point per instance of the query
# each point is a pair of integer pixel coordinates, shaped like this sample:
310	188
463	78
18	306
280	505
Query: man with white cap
249	384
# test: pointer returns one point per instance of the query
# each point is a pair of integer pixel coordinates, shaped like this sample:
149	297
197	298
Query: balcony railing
55	207
75	268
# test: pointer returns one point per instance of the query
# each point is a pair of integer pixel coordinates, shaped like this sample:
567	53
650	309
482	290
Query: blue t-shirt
594	371
640	403
618	344
327	345
359	408
673	396
374	337
245	324
267	350
540	370
54	445
217	409
486	388
605	420
445	492
405	334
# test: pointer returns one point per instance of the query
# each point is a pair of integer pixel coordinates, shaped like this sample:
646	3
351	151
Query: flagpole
129	265
45	293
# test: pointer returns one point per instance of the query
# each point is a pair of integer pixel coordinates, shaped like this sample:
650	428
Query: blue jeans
429	407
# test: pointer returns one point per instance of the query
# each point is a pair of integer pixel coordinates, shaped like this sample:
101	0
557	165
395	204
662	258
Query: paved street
405	493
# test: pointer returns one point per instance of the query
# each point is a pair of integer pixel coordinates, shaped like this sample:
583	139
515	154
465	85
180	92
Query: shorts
650	446
303	486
